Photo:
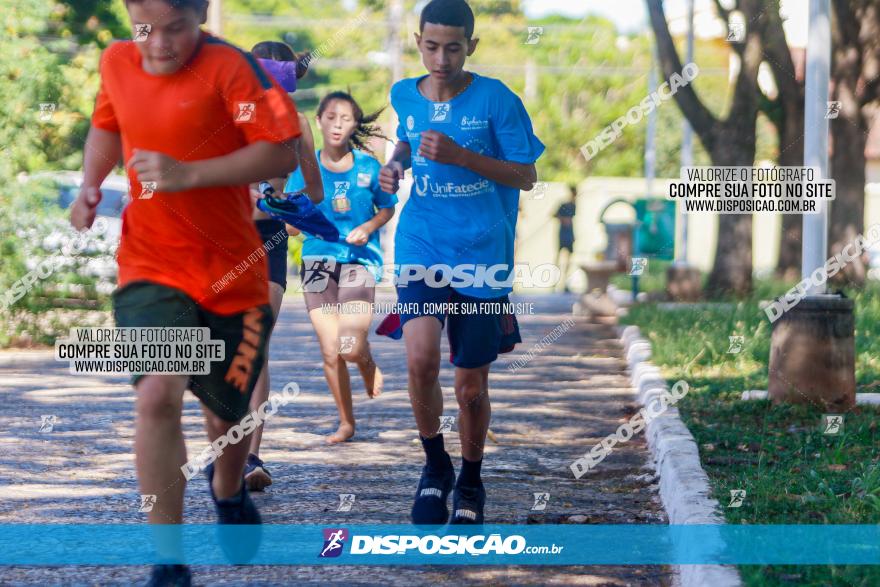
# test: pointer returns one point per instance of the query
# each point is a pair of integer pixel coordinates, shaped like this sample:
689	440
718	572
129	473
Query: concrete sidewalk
545	414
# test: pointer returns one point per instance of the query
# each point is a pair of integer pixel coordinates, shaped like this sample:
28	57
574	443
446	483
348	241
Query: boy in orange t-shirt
196	120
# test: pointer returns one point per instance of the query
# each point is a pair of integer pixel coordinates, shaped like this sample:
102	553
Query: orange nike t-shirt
201	241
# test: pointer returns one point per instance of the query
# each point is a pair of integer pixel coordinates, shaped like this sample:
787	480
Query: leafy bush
45	94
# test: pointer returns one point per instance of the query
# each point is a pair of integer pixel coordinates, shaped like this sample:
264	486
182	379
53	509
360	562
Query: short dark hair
194	4
449	13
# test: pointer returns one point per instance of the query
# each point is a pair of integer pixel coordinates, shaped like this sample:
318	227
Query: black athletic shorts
566	240
227	389
274	237
478	331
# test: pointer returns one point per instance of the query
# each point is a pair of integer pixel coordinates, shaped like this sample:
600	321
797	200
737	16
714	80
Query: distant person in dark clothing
565	214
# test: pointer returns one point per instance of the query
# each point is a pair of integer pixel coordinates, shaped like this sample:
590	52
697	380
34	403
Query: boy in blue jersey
471	147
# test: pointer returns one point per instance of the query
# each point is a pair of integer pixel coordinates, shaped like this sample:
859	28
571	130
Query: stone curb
684	485
862	399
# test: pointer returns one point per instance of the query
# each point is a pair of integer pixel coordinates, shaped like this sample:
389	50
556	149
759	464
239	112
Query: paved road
545	414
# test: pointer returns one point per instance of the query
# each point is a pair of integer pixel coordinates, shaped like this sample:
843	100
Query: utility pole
215	17
394	47
687	142
650	147
650	158
683	282
812	346
531	89
395	44
818	77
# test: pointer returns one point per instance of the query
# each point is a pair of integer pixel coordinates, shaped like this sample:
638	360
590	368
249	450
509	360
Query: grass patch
792	473
653	279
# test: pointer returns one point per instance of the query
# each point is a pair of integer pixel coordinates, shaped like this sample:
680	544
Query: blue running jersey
455	216
350	199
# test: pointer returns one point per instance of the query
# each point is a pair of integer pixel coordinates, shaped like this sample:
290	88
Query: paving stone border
684	485
862	399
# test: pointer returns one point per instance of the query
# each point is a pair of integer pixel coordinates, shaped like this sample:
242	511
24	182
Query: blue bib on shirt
350	199
454	216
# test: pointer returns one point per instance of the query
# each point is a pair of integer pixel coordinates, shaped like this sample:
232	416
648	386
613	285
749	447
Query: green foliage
653	279
94	21
587	74
792	473
35	70
496	7
29	74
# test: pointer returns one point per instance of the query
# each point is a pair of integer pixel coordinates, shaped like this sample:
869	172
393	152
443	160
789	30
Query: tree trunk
856	62
732	270
791	154
847	219
787	115
729	142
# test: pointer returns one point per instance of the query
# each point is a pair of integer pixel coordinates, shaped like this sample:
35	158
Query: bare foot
343	433
374	382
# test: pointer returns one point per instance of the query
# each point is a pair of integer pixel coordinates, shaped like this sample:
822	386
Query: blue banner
276	544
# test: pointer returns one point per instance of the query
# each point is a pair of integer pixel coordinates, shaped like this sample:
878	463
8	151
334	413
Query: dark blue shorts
478	329
566	240
274	236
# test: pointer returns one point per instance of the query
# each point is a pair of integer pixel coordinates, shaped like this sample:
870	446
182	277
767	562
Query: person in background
565	215
340	298
279	60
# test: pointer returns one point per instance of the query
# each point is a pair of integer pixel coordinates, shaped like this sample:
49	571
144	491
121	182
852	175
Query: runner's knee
355	356
353	351
330	356
159	398
469	392
424	369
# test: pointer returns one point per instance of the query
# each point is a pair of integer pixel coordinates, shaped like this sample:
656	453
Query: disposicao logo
334	540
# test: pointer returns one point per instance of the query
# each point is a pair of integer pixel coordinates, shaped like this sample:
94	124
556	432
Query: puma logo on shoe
466	514
428	491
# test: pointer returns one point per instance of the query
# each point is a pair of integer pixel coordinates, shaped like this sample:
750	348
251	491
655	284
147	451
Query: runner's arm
361	234
251	163
392	172
381	218
102	152
310	170
312	175
402	154
438	147
515	175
